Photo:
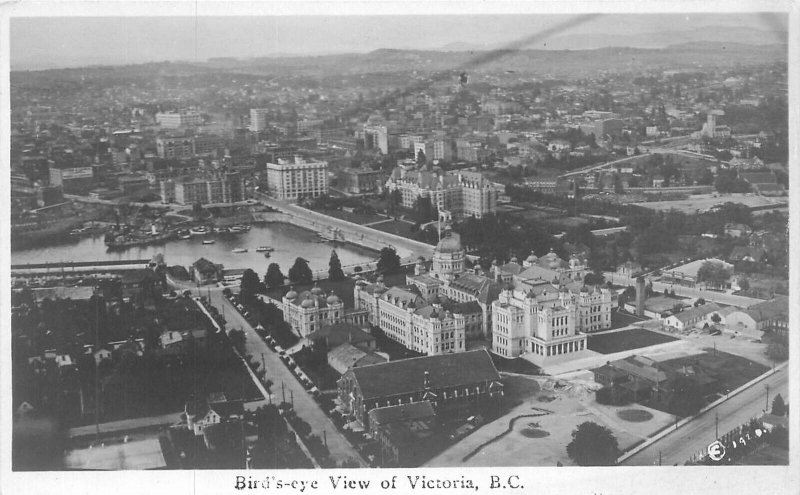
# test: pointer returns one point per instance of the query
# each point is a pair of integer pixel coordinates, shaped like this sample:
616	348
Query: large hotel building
297	179
462	193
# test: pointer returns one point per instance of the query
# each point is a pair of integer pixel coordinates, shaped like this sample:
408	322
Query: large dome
450	244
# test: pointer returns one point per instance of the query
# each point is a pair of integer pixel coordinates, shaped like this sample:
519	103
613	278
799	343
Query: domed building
310	310
448	257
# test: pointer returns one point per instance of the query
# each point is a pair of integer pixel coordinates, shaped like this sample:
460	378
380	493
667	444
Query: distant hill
680	54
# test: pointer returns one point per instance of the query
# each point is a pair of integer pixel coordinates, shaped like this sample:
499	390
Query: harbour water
288	242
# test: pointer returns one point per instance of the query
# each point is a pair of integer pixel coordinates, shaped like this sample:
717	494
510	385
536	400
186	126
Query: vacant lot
705	201
625	340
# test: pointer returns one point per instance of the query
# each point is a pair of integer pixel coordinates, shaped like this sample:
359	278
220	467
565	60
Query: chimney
427	383
640	296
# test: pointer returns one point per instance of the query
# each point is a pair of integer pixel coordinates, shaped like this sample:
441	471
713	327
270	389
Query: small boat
185	236
264	249
239	250
198	231
209	241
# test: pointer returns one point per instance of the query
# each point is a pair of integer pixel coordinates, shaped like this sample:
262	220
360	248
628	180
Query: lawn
626	340
397	227
621	320
358	218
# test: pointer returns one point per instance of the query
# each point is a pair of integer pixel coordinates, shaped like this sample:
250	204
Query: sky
45	42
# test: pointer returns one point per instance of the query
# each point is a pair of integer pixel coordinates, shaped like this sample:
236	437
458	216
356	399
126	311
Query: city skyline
72	41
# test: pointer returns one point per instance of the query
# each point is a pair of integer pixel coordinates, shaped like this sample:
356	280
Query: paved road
708	295
304	404
678	447
406	248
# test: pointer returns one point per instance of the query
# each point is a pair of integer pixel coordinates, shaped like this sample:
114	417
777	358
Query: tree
274	276
778	406
388	260
300	272
249	285
700	301
744	284
593	445
687	397
593	278
778	348
715	273
421	158
335	272
716	318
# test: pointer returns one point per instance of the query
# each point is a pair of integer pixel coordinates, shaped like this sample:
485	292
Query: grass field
625	340
358	218
397	227
620	319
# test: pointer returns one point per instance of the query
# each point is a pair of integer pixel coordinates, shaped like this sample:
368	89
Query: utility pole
716	424
291	394
766	407
659	457
283	391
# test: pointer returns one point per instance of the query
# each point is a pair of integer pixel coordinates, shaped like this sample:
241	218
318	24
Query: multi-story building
310	310
534	322
297	179
174	120
307	125
258	119
73	179
407	318
464	194
175	147
227	188
361	181
376	137
189	191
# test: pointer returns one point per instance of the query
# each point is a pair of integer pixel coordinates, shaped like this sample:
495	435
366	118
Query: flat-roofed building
297	179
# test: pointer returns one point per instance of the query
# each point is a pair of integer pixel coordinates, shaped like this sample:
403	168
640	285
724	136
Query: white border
544	480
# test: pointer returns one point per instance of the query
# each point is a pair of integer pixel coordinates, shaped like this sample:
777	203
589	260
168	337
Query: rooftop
408	375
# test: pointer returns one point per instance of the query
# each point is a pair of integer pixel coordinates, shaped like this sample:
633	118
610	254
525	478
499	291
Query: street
678	447
406	248
285	384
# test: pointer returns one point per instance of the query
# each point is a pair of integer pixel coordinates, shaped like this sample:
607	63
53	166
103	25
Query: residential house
215	409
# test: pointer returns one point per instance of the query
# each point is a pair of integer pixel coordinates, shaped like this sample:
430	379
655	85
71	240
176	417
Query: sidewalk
286	387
